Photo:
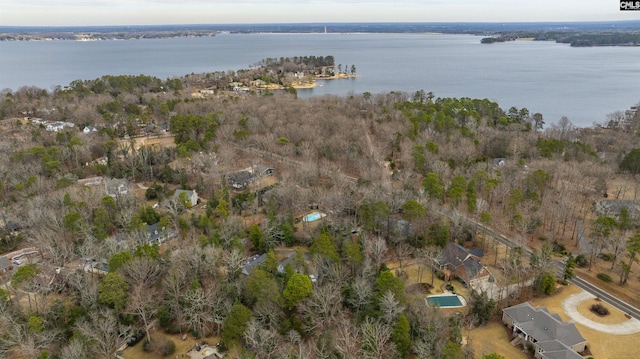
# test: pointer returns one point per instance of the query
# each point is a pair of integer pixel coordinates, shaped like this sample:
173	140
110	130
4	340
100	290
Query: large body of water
584	84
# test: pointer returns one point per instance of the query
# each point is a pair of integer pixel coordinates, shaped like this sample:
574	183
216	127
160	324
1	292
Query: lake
584	84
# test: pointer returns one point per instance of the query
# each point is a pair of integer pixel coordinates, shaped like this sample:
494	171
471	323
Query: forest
573	38
397	177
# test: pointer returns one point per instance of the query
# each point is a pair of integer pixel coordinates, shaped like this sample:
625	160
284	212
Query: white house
90	129
57	126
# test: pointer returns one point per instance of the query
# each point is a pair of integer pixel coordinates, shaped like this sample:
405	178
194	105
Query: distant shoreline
137	32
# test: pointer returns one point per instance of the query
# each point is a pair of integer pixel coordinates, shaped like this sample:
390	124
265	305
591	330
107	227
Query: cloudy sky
156	12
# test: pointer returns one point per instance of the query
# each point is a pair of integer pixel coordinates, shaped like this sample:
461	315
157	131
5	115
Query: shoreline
322	78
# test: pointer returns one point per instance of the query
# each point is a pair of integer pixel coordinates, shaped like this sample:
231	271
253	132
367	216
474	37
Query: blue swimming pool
446	301
313	216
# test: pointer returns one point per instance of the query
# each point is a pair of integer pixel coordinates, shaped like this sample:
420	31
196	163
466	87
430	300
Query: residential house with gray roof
253	263
550	337
156	234
242	179
191	196
463	264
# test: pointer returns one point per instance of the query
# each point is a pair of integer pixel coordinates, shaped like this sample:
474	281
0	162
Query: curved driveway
570	306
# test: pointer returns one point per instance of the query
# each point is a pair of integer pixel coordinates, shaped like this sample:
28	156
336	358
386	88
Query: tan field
494	338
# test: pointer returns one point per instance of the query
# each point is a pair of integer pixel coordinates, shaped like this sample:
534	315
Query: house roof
457	257
472	267
285	261
544	326
13	226
477	252
498	161
154	232
253	262
612	207
117	186
260	169
454	255
554	349
188	192
240	177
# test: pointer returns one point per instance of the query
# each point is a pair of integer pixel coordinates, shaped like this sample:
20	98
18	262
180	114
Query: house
207	92
48	278
253	263
283	264
90	129
37	120
261	170
91	181
612	207
13	227
499	162
5	265
57	126
258	83
191	196
243	178
116	187
550	337
463	264
240	180
90	265
157	234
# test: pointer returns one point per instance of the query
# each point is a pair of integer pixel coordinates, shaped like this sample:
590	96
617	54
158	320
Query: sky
164	12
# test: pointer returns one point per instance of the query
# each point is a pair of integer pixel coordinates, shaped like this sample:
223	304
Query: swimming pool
446	301
313	216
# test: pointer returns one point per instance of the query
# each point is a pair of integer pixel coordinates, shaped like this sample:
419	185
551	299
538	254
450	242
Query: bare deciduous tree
376	248
390	308
347	339
76	349
142	271
376	340
321	307
106	334
142	303
263	341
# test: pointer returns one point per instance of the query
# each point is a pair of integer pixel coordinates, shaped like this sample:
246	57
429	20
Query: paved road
606	297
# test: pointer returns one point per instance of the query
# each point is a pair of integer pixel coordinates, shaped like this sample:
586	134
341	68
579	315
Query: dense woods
399	176
573	38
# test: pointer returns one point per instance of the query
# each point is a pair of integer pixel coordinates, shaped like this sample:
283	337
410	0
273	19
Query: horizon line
328	23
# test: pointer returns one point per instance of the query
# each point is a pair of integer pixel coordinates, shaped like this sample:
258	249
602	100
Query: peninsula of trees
575	39
139	209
